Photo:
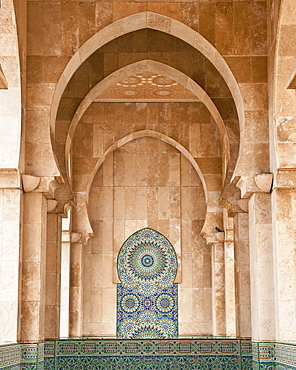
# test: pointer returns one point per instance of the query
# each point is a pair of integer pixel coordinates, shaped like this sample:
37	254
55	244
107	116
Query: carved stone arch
155	67
152	21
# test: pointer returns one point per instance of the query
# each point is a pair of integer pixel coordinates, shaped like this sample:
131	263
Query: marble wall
133	189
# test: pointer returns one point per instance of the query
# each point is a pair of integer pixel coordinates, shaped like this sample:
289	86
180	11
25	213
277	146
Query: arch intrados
154	67
157	22
155	135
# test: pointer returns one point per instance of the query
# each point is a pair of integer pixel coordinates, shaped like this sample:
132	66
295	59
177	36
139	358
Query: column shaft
218	289
53	277
33	268
284	241
75	303
242	275
262	270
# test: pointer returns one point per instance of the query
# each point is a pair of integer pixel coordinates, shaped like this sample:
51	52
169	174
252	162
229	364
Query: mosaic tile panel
147	298
181	353
285	355
10	357
147	363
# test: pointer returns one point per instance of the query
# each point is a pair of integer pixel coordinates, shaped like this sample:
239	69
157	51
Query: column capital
231	200
214	238
260	183
36	184
59	196
80	237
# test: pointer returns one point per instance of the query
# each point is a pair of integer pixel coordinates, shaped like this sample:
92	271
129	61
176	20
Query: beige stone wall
189	124
147	183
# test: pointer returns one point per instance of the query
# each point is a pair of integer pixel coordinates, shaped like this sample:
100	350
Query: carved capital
80	237
213	238
260	183
30	183
231	200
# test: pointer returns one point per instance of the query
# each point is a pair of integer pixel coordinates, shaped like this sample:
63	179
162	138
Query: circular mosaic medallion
147	257
130	303
165	303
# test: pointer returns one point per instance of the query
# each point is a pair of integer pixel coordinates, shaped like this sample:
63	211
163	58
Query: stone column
33	268
10	241
218	289
242	275
262	269
284	241
53	276
65	278
33	265
229	276
76	300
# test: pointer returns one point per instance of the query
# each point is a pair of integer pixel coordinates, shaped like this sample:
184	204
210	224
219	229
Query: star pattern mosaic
147	298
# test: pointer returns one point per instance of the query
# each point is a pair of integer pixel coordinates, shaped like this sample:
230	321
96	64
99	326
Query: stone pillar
65	278
284	241
53	276
10	220
76	300
33	268
242	275
218	289
262	269
229	276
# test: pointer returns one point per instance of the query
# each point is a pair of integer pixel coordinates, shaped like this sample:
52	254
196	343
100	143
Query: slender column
242	275
53	277
218	289
284	241
229	277
65	281
33	268
262	270
75	302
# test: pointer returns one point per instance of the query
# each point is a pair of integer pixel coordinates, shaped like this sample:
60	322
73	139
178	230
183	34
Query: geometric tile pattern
194	353
147	298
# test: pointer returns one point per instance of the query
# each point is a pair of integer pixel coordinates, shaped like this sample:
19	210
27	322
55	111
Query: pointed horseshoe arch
155	67
157	22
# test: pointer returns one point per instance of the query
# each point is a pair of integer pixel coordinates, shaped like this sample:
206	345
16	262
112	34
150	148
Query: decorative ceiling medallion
146	86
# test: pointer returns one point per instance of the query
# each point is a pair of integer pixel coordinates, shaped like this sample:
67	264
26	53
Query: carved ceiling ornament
147	86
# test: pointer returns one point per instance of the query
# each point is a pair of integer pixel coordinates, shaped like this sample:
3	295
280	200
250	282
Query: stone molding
10	178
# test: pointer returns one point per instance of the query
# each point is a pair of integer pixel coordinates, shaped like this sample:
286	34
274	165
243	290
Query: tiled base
195	353
172	354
